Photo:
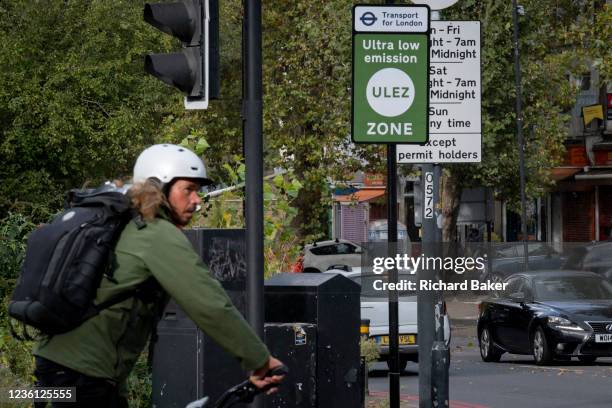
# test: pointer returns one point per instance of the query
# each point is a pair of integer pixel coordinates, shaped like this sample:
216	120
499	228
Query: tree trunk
451	198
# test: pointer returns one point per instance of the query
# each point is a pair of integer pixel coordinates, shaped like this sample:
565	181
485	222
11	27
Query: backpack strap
144	291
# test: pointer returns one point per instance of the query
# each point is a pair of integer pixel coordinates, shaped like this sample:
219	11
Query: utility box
295	344
188	365
331	302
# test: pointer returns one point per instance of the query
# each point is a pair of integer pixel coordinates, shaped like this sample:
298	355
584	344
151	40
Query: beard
184	218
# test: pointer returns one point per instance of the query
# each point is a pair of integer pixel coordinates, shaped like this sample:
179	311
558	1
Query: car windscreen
564	288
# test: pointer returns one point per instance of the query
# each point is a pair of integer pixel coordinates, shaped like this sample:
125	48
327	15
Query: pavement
463	310
463	314
379	399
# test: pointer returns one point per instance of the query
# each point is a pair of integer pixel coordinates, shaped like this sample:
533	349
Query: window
573	288
584	81
519	285
514	286
345	249
324	250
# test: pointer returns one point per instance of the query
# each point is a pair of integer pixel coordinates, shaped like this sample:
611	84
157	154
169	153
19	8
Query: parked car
550	315
320	256
508	259
595	257
375	307
378	230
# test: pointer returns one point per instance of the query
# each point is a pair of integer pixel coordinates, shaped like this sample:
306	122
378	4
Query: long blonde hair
147	197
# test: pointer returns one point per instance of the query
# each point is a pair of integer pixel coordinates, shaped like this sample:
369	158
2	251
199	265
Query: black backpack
66	260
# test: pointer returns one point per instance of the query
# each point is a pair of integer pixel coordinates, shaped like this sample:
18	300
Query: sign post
390	101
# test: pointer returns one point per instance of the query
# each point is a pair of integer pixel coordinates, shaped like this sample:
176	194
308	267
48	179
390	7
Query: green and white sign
390	95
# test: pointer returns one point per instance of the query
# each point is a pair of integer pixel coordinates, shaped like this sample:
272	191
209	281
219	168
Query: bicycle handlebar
243	392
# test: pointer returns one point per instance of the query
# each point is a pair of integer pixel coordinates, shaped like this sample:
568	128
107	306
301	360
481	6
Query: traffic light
194	70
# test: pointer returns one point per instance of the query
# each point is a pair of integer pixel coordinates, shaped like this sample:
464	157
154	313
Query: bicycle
244	392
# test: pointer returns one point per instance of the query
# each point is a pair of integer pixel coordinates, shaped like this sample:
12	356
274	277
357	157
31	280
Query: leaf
201	146
278	180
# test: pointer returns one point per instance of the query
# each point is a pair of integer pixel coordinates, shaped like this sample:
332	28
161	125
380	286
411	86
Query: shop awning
361	195
599	174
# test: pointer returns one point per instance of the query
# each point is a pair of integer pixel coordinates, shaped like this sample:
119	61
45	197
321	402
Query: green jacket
108	344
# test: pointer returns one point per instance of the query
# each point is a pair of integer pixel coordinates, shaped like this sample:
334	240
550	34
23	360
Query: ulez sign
390	97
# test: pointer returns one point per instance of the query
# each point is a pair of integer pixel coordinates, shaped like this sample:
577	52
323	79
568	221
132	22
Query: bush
369	350
14	230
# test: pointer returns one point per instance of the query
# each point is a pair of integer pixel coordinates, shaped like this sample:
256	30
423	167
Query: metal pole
433	355
253	151
440	353
394	363
519	132
426	299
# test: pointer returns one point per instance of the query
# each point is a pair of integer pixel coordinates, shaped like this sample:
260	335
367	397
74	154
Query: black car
549	314
595	257
509	258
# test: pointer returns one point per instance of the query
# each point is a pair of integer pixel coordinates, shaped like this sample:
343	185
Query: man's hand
260	381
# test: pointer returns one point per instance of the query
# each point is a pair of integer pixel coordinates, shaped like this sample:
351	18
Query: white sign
390	92
436	4
454	97
391	19
428	206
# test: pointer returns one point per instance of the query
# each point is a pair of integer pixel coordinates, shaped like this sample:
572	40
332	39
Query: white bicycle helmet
166	162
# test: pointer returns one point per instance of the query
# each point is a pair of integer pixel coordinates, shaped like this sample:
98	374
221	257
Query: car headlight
562	323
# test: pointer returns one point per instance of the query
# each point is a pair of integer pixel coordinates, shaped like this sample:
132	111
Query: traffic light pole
252	111
394	363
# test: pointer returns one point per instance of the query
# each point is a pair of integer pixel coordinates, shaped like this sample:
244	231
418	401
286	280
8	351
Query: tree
556	40
75	104
306	74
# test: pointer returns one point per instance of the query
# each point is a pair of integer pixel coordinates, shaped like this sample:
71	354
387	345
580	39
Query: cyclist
98	356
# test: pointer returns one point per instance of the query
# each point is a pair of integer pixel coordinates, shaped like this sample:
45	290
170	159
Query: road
513	382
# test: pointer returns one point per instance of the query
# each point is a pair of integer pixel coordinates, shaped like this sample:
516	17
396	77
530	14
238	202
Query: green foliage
369	350
140	382
557	39
281	242
13	238
75	104
15	355
9	381
16	362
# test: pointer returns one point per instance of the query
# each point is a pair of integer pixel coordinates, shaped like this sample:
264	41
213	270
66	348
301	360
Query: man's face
184	199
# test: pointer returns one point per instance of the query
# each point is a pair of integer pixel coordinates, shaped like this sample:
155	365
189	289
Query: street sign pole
519	132
425	299
390	101
440	353
394	362
433	351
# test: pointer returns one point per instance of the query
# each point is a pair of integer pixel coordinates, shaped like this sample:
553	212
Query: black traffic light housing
194	71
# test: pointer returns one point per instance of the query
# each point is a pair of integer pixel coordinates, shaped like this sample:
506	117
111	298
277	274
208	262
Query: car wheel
488	351
541	351
587	359
311	270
